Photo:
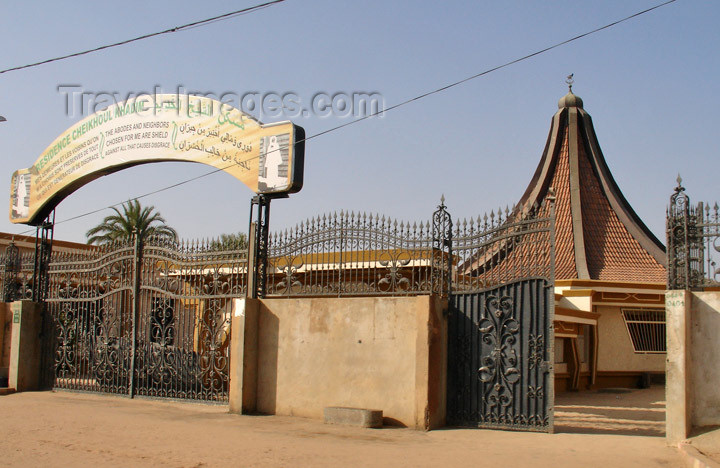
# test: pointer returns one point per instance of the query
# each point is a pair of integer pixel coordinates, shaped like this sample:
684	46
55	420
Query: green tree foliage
236	241
146	221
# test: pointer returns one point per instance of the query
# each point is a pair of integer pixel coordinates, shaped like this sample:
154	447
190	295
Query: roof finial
570	81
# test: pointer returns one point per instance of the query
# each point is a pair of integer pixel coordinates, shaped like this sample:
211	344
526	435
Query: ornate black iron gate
500	324
149	320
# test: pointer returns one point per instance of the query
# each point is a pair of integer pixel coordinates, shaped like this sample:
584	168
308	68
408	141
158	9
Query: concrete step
6	391
353	416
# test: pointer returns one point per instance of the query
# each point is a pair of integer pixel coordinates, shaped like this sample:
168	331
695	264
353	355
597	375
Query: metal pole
36	266
262	243
137	260
43	252
686	245
251	288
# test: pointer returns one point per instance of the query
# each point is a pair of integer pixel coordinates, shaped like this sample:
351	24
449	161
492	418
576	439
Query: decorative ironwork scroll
693	242
442	250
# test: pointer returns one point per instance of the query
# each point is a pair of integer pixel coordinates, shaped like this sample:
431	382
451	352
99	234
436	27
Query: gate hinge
546	366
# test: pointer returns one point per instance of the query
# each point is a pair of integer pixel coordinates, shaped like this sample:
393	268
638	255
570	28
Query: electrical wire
395	106
192	25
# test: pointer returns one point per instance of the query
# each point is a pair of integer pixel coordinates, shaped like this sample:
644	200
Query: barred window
646	328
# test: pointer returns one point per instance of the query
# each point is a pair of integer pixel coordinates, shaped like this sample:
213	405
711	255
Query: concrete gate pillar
678	366
244	356
25	346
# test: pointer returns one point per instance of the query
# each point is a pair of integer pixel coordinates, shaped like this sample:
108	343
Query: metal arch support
260	243
43	252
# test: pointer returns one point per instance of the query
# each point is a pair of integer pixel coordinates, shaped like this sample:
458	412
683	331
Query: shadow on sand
633	412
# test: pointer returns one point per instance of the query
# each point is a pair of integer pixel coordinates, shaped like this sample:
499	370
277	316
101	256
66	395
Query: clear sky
650	84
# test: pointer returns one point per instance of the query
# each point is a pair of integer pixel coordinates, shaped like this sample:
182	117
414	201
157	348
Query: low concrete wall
386	353
693	374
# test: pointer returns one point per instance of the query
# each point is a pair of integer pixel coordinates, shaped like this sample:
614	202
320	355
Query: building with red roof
610	270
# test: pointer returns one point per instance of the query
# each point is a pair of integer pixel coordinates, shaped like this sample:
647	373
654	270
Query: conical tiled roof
598	235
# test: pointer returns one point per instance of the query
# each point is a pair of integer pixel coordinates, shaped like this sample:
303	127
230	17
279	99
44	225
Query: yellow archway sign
268	159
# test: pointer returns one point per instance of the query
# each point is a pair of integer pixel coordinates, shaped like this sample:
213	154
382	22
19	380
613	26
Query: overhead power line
395	106
194	24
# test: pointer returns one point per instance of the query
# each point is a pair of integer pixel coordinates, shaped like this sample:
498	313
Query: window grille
646	328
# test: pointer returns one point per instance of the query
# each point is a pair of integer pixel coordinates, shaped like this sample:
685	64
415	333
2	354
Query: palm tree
144	221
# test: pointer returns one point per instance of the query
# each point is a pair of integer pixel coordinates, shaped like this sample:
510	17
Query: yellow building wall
615	349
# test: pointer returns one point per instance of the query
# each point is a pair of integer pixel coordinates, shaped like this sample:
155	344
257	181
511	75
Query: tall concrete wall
705	359
693	374
386	353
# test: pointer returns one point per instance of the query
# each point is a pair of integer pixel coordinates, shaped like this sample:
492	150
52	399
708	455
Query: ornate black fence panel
693	242
151	320
500	324
351	254
17	274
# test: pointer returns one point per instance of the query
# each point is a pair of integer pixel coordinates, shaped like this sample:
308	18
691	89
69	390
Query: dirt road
60	429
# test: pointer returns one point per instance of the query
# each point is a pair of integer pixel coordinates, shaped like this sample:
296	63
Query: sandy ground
708	443
61	429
